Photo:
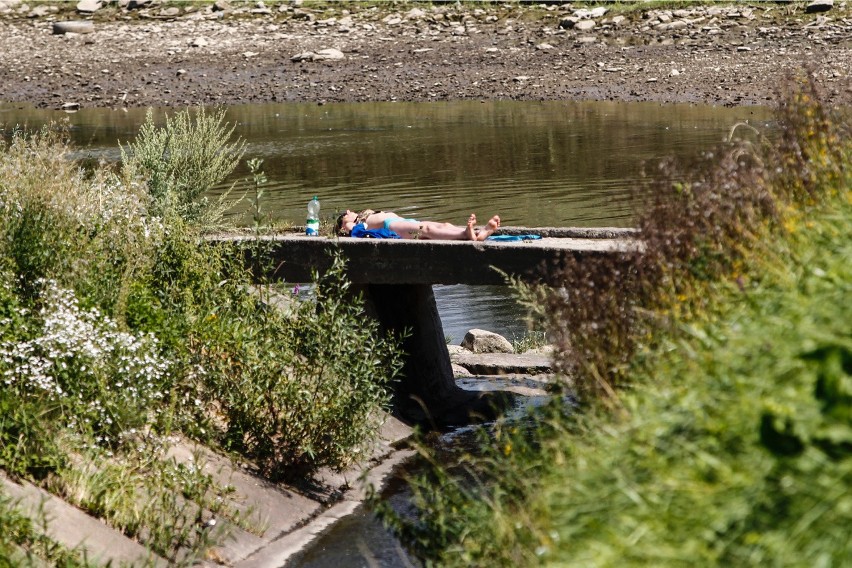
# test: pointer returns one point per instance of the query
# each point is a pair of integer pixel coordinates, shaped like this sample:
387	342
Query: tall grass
121	328
714	423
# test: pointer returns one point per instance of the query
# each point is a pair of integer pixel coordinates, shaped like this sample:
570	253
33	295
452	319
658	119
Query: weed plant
715	416
120	328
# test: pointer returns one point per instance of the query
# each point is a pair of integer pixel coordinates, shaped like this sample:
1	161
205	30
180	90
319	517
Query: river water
535	164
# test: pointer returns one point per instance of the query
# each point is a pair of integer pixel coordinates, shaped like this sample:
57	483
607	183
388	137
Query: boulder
481	341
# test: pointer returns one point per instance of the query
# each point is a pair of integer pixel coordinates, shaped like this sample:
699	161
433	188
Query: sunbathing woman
414	229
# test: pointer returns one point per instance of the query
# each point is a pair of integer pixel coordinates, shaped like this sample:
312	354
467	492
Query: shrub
729	441
182	161
98	378
300	389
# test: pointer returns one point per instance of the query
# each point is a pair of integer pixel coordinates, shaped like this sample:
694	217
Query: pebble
88	6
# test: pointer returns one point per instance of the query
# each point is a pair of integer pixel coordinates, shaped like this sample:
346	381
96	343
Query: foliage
301	388
120	324
182	161
730	439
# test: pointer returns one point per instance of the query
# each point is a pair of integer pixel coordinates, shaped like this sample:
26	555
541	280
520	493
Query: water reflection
537	164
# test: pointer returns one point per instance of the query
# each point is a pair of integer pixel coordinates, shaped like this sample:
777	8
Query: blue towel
512	238
361	231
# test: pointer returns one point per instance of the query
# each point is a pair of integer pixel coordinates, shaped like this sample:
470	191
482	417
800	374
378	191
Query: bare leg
469	230
488	230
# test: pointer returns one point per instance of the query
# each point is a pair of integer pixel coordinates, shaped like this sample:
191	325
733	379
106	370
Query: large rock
481	341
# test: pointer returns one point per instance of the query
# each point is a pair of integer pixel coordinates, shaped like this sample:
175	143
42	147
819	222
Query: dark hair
338	226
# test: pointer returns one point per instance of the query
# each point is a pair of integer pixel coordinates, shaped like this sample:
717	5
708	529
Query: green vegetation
122	331
711	418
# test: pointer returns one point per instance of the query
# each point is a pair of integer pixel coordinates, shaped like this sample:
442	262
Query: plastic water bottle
312	226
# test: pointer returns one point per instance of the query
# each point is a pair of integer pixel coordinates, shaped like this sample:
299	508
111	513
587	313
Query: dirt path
163	55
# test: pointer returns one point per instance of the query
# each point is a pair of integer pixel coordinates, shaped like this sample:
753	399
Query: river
534	163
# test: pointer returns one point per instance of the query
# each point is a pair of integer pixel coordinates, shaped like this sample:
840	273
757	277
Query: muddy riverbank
138	54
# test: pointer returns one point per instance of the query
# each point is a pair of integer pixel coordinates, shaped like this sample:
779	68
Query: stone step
503	363
279	516
73	528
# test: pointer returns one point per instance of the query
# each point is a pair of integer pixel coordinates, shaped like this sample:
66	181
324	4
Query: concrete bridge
395	278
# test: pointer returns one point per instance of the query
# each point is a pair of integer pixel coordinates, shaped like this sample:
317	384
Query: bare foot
469	231
488	230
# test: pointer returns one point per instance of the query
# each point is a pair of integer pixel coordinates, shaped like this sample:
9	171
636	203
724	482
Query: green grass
725	436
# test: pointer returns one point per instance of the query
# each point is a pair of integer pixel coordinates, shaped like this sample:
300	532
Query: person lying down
414	229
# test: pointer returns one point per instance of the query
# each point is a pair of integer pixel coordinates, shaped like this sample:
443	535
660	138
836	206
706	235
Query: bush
724	436
119	324
304	388
182	161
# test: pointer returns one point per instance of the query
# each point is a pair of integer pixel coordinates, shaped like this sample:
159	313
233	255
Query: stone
328	54
199	42
221	6
73	26
584	25
88	6
819	6
138	4
544	46
171	12
459	371
9	4
568	22
39	12
481	341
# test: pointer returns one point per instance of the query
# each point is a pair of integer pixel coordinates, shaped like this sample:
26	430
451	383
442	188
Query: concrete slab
73	528
503	363
271	509
524	385
408	261
278	510
278	552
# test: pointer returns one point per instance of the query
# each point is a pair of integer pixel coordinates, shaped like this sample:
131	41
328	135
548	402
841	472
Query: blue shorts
393	219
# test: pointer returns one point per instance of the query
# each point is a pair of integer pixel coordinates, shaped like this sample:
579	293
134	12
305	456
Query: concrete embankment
278	520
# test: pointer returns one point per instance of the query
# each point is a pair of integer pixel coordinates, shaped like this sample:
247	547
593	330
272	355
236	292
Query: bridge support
427	393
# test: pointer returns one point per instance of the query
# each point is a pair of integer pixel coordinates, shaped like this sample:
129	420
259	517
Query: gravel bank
141	53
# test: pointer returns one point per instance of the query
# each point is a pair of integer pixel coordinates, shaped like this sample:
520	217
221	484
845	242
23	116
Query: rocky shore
138	53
